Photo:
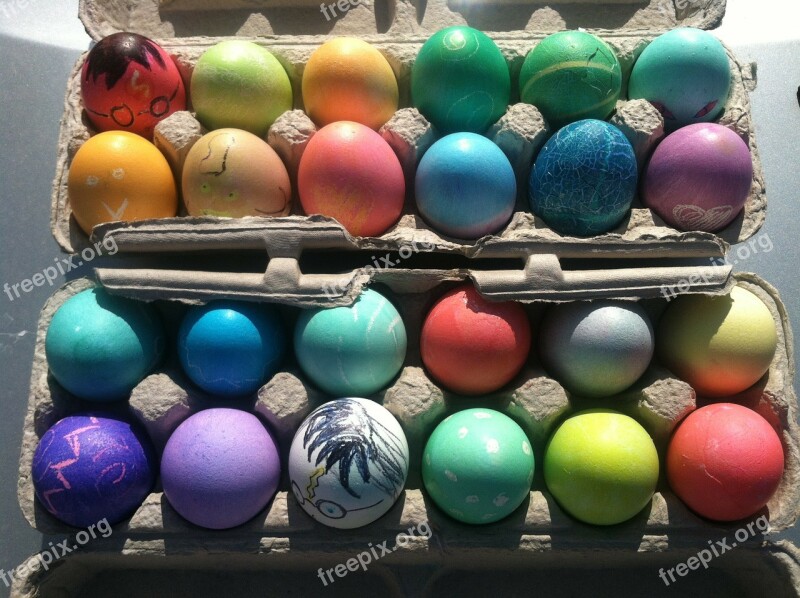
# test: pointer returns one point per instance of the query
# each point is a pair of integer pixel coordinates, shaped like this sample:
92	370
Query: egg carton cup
293	29
140	568
533	399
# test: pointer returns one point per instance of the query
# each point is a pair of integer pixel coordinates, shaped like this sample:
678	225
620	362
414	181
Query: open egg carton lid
292	29
534	399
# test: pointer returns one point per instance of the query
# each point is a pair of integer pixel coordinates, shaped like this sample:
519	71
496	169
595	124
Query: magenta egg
699	177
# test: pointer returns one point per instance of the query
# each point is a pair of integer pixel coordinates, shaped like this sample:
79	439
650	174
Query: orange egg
348	79
119	175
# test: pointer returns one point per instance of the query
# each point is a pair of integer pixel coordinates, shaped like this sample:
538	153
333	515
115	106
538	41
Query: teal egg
685	73
354	350
478	466
100	346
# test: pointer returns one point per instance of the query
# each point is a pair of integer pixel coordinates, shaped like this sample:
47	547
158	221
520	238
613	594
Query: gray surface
36	62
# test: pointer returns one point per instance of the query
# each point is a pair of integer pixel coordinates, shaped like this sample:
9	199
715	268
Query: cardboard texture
292	29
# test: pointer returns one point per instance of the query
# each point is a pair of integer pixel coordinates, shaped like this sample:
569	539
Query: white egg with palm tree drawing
348	462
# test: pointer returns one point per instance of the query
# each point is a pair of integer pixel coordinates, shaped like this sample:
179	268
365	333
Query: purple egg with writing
91	467
220	468
699	177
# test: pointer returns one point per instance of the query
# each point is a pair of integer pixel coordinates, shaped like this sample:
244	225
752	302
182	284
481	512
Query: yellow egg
348	79
119	175
719	345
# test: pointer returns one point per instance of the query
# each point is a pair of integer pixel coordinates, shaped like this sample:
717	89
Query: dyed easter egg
584	179
241	85
118	175
685	74
348	79
474	346
233	173
348	463
699	177
601	466
220	468
465	186
100	346
597	348
90	467
725	461
354	350
350	173
129	83
478	466
231	348
569	76
719	345
460	80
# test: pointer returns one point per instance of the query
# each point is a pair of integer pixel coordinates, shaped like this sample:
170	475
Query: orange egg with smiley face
119	175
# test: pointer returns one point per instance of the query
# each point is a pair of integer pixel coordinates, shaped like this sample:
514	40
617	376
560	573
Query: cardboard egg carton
535	400
292	29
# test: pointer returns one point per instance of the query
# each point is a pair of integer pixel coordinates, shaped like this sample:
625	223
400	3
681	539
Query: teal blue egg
100	346
685	73
354	350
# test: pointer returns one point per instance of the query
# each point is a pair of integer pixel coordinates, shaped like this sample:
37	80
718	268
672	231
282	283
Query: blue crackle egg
584	179
231	348
90	467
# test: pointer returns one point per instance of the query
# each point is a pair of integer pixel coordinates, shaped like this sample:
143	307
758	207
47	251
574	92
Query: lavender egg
699	177
220	468
89	467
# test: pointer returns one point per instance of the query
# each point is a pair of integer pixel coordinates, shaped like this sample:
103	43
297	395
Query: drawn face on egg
130	83
348	463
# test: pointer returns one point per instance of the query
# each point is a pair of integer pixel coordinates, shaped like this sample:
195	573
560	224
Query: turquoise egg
478	466
685	73
354	350
231	348
584	179
100	346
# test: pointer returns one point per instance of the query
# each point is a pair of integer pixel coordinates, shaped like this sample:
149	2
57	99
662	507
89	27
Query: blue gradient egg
90	467
100	346
231	348
584	179
685	74
465	186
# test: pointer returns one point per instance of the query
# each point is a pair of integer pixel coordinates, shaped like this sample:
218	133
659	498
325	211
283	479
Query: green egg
478	466
570	76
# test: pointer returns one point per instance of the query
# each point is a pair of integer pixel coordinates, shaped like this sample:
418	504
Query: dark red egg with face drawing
129	83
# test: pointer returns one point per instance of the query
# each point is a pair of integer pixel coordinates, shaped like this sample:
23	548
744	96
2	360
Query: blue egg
231	348
465	186
90	467
685	73
100	346
584	179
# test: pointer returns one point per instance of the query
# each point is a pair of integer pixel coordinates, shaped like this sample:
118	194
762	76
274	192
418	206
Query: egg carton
292	29
533	399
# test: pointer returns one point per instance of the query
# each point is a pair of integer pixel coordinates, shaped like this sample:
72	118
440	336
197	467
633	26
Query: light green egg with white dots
478	466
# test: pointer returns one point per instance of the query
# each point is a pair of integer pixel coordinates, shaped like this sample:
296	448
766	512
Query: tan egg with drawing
119	175
233	173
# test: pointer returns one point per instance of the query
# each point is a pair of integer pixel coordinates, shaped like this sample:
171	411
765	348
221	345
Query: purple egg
699	177
89	467
220	468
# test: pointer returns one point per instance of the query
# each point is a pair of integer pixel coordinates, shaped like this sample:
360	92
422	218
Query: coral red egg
350	173
725	462
129	83
474	346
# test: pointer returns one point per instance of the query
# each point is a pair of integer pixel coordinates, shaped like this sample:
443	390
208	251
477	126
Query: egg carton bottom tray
537	402
519	134
141	568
